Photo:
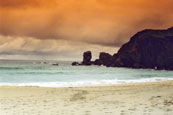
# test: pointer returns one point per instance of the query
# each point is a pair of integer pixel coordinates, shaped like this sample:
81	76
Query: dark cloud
31	48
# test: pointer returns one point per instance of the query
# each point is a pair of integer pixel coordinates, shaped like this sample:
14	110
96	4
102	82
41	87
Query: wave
11	68
86	83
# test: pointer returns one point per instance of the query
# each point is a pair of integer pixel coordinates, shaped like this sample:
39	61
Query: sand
128	99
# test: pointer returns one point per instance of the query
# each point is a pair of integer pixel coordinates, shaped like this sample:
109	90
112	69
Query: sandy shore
128	99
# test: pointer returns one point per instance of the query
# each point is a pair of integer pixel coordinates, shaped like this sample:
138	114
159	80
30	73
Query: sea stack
87	58
105	59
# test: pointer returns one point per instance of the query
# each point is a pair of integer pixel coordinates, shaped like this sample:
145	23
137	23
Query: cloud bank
101	22
51	49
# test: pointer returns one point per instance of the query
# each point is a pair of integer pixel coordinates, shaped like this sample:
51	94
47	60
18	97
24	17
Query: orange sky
65	23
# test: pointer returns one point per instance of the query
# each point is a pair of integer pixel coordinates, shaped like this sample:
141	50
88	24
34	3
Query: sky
64	29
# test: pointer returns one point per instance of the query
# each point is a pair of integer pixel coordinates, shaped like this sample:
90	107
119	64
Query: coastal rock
151	49
55	64
97	62
148	49
87	58
75	64
105	59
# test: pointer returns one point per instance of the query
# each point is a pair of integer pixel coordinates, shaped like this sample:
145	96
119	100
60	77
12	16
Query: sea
62	74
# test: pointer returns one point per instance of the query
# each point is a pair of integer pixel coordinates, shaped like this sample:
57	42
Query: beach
152	98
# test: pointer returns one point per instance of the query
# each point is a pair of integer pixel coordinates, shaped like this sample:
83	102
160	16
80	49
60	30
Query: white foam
85	83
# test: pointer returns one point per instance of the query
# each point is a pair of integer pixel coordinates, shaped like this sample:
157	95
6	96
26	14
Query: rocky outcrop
147	49
87	58
105	59
75	64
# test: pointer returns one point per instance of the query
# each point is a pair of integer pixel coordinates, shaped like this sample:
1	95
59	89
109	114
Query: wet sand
128	99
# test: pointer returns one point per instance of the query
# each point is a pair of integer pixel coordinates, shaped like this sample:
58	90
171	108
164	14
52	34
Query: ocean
44	74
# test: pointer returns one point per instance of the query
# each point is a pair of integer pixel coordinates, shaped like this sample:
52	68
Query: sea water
45	74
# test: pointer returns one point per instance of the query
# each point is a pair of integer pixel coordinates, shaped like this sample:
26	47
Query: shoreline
79	85
134	98
82	86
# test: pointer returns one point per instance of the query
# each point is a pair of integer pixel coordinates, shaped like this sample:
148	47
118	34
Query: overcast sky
64	29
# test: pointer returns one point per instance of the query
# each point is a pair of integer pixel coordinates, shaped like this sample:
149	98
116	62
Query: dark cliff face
147	49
